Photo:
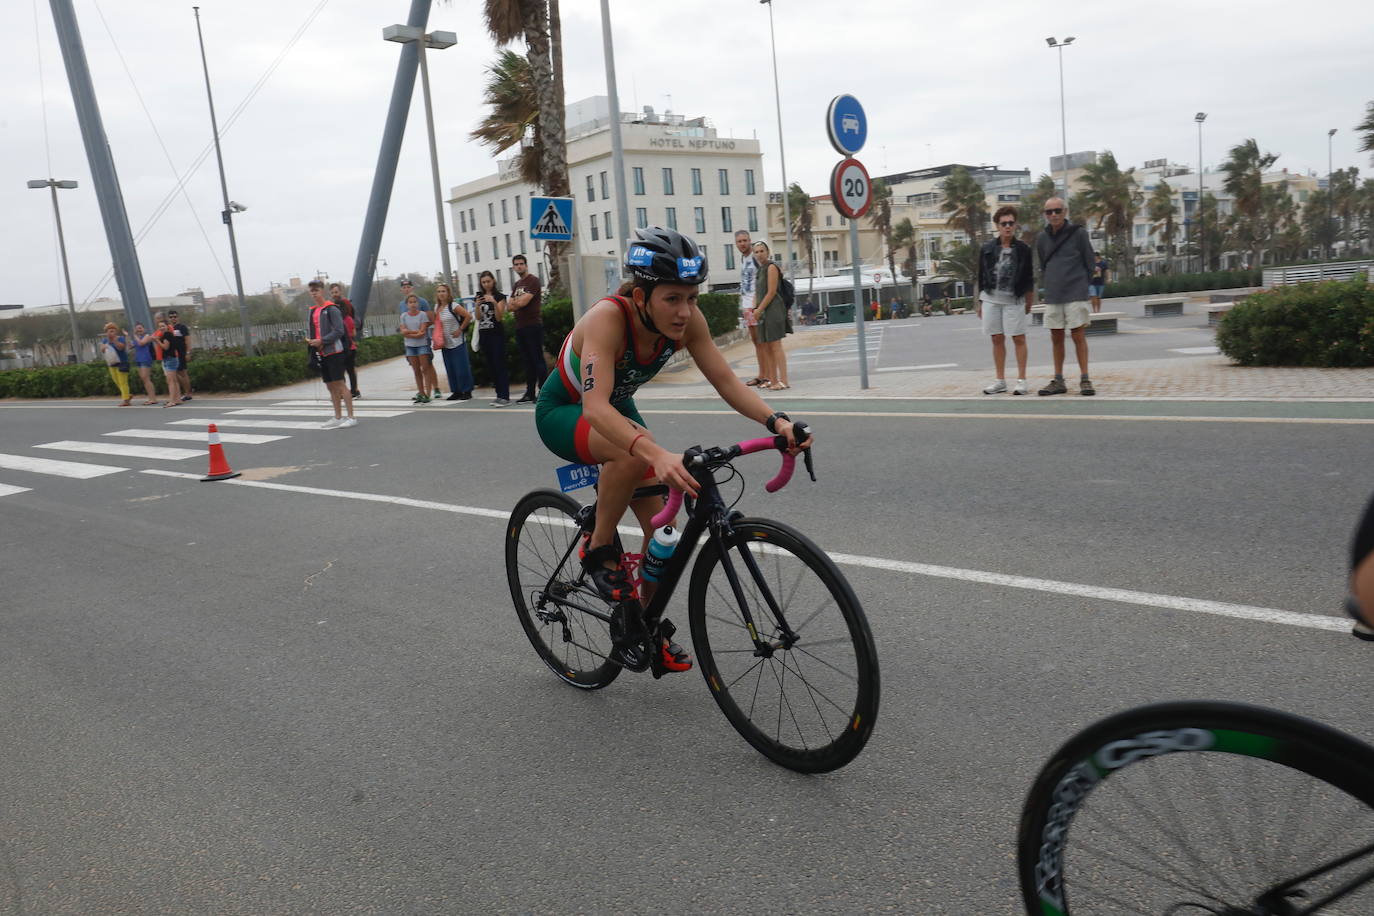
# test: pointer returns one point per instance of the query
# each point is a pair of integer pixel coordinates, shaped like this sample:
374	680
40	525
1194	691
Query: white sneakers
340	423
999	386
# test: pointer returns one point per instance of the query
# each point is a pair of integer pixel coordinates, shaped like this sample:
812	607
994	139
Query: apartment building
679	173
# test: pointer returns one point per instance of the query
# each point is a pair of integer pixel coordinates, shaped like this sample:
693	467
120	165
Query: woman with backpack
453	322
770	311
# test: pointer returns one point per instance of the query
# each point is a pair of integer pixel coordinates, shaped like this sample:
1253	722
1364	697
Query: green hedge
1329	324
211	370
1181	283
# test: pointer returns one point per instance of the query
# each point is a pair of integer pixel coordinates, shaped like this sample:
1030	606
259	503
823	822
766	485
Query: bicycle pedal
629	639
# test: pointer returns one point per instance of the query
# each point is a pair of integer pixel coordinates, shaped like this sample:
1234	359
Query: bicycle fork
762	648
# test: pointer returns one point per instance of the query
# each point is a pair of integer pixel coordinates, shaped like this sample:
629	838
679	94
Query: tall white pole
622	205
423	41
782	155
66	274
1063	127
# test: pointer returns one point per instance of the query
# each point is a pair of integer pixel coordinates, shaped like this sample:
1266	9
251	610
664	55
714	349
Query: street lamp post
1330	225
53	184
1063	121
782	155
1201	220
438	41
230	207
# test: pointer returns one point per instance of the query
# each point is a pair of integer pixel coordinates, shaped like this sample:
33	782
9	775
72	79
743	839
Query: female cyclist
586	410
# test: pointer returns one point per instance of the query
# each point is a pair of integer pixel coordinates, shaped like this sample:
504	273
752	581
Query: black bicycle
778	633
1195	808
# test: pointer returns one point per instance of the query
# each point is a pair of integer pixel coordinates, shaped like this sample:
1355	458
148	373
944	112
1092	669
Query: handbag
437	337
472	341
111	355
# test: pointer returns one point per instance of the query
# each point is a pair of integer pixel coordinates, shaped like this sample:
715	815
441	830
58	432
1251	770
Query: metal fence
1313	273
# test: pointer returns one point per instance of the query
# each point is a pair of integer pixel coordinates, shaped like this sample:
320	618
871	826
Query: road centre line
1335	421
1074	589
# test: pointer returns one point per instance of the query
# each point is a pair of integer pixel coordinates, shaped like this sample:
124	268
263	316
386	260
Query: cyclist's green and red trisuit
558	413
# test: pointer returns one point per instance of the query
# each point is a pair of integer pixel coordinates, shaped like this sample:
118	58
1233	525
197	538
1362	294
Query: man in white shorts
1066	265
1006	282
748	273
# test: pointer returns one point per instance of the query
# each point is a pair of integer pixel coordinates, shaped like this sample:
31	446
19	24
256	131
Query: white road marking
1199	351
55	468
974	415
322	412
1075	589
124	450
188	436
912	368
263	424
7	490
360	403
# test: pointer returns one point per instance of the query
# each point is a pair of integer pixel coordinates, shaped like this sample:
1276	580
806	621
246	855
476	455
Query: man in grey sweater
1066	261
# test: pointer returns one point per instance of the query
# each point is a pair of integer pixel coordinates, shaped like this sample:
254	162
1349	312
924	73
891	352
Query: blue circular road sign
846	124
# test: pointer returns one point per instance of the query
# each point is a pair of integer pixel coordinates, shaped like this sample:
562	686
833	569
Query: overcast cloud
971	83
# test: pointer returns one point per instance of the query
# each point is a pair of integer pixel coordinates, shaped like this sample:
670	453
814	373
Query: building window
505	216
604	193
596	236
641	218
725	223
829	219
463	220
749	182
724	180
495	248
507	244
466	259
522	242
491	214
696	181
591	188
538	246
510	278
672	217
638	175
476	250
667	181
729	256
472	219
700	214
610	233
471	289
519	213
753	219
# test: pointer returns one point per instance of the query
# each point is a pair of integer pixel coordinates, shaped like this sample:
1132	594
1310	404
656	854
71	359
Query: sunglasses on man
1054	210
1007	222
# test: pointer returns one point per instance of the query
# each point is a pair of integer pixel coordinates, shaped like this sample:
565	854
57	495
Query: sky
969	83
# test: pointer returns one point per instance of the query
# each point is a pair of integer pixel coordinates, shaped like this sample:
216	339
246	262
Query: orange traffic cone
219	465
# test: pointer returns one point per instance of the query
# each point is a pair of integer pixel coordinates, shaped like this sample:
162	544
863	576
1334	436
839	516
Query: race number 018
850	188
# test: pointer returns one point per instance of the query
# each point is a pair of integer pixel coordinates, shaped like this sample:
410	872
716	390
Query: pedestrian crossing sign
551	218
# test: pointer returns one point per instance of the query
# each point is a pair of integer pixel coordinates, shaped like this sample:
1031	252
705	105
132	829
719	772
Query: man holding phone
181	345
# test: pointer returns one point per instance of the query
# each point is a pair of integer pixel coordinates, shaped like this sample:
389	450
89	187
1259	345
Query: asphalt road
218	698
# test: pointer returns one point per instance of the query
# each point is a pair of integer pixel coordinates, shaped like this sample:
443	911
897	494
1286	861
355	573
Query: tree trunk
553	154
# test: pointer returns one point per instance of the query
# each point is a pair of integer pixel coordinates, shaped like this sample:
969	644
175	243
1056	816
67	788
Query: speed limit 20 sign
850	188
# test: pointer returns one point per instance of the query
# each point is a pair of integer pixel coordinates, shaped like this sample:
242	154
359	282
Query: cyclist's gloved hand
669	469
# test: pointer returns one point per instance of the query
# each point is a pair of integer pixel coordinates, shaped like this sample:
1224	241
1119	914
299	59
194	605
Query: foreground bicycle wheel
808	704
1197	808
563	616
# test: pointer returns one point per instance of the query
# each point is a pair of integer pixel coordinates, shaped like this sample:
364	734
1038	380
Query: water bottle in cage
661	547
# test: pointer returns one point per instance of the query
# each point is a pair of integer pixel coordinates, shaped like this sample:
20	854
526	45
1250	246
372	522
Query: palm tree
803	216
1162	212
539	24
904	235
1365	211
1344	201
1244	168
1112	197
1319	230
966	203
962	263
880	218
513	114
1366	129
1031	206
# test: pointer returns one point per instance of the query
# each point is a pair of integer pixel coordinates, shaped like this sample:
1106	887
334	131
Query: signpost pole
579	296
859	304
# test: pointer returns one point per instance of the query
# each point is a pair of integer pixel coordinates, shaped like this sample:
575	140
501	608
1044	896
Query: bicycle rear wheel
1197	808
807	701
560	610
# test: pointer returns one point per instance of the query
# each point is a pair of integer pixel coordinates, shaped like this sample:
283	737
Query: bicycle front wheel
1196	808
797	675
565	619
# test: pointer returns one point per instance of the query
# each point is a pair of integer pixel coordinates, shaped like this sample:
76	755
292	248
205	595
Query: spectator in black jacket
1066	265
1007	284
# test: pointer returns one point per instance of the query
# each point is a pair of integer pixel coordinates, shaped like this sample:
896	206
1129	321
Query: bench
1154	308
957	311
1227	297
1215	311
1101	323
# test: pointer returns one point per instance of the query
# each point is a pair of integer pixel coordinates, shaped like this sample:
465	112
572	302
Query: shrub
1329	324
1181	283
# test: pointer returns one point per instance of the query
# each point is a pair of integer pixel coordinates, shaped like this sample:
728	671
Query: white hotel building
678	173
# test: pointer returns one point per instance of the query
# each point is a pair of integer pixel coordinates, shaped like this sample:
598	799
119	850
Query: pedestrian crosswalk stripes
253	424
7	490
125	450
55	468
324	413
379	403
186	435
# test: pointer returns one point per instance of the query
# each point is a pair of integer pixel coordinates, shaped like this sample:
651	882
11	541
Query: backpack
787	291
